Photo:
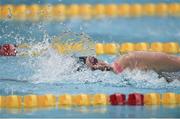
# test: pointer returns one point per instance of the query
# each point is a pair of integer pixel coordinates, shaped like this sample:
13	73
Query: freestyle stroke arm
159	62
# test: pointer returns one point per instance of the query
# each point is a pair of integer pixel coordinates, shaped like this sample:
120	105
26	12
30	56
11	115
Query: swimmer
142	60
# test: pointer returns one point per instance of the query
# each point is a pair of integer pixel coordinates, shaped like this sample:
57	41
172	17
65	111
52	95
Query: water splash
51	67
54	68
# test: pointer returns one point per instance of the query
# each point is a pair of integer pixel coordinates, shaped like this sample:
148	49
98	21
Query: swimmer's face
96	64
92	61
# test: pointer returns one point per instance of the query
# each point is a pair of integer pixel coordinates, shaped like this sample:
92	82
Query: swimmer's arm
150	61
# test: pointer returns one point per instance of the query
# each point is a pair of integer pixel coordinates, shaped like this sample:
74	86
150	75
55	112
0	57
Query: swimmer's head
94	64
88	60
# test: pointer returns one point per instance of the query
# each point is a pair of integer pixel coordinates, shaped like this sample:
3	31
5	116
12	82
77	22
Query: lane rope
37	12
97	48
114	48
50	100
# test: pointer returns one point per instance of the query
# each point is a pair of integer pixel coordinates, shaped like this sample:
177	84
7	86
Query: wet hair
82	63
82	59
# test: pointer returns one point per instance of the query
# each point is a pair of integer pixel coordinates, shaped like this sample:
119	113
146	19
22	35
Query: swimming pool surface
52	73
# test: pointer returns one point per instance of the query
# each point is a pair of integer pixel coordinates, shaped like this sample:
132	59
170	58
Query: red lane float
8	50
117	99
135	99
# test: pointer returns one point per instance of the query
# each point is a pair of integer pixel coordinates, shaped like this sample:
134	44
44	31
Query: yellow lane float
19	12
174	9
127	47
171	47
157	47
47	100
1	101
110	48
142	46
99	10
148	9
30	101
169	98
81	100
73	10
7	11
99	49
12	101
65	100
32	12
152	99
100	99
46	12
85	11
59	12
111	10
162	9
124	10
136	10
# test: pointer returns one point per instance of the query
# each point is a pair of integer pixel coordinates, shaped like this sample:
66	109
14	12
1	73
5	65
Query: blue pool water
53	73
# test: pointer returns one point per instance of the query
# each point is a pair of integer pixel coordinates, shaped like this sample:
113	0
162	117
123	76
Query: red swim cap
8	50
